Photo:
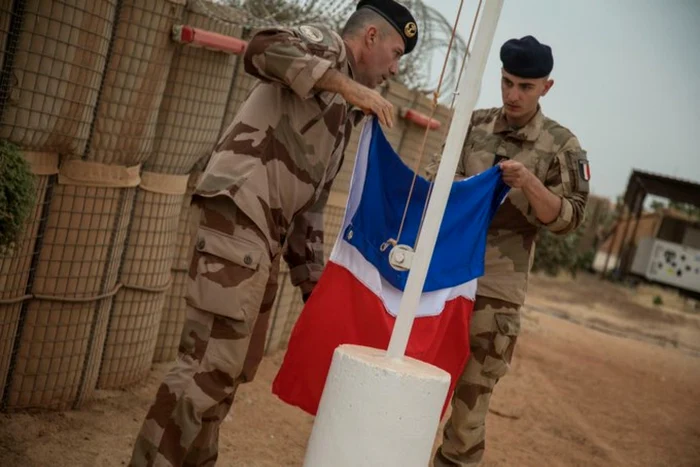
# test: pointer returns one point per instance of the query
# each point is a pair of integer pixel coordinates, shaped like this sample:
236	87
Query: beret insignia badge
410	29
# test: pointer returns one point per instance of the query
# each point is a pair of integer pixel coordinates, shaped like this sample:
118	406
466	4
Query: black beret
398	16
527	58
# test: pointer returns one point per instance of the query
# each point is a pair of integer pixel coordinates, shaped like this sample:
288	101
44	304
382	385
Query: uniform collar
352	64
357	115
530	132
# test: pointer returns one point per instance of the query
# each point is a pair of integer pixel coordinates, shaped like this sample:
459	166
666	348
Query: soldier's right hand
370	101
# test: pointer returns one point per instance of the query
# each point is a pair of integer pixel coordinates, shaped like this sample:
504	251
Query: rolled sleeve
292	57
568	179
564	222
305	80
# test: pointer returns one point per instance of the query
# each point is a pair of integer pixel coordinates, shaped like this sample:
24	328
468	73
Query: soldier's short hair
363	17
397	16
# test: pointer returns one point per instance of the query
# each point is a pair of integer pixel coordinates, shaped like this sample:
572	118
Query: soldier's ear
547	86
371	36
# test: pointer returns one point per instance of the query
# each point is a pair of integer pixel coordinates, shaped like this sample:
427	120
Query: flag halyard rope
436	96
452	104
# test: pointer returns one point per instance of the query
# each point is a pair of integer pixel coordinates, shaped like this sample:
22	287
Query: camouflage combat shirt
280	154
554	155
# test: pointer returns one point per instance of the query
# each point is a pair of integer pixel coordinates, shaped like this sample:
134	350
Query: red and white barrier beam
189	35
420	119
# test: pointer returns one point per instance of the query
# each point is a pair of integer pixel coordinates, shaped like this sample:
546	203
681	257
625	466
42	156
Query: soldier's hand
515	174
370	101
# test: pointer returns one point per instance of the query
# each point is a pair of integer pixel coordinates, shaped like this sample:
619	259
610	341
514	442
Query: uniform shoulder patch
576	161
311	33
584	170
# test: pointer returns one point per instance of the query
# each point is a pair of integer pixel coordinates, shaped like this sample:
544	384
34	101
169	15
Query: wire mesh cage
410	143
84	237
16	263
94	291
172	319
151	243
53	54
138	67
145	276
6	16
62	328
195	97
173	314
131	338
57	354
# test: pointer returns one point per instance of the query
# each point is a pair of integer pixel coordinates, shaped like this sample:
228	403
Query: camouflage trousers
232	286
493	332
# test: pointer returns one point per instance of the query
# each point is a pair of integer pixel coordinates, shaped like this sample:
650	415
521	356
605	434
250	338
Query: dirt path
575	396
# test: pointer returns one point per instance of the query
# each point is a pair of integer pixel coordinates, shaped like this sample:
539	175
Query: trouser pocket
506	327
228	274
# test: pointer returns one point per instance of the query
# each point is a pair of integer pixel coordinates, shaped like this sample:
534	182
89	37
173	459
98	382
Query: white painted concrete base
377	411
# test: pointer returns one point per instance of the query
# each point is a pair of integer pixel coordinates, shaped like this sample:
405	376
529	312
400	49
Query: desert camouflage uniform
554	155
267	181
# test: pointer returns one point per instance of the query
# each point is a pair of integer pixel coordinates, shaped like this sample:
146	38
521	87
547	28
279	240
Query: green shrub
17	193
556	253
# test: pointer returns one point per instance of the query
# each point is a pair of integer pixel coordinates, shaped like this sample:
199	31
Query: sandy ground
600	377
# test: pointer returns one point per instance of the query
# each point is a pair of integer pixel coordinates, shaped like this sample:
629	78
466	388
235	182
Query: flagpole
464	105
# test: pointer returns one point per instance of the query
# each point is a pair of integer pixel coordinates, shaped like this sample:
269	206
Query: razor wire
415	70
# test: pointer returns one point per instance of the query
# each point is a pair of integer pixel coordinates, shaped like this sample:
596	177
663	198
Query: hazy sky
627	79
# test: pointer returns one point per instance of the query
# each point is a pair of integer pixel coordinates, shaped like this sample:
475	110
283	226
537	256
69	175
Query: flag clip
401	257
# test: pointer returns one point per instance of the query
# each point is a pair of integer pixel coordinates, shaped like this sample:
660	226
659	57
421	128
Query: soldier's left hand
515	174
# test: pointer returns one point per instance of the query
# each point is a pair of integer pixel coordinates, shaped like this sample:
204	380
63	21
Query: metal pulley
401	257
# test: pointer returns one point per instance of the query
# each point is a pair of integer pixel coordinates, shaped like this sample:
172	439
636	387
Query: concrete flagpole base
377	411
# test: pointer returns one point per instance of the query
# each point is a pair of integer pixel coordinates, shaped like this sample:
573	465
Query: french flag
357	297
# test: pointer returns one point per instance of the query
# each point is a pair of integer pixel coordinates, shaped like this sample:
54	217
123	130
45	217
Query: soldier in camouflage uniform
548	173
262	193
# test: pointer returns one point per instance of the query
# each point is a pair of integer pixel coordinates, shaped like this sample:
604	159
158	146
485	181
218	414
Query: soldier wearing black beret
527	64
527	58
547	170
398	16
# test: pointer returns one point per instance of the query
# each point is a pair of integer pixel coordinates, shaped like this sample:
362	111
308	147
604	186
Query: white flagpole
464	105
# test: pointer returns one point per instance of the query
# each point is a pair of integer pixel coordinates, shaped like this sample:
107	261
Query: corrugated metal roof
675	189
